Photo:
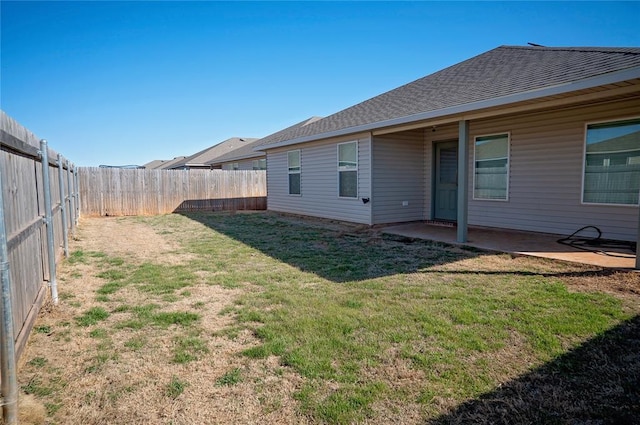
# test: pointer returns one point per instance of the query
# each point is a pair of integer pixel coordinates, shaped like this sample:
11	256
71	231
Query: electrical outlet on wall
405	203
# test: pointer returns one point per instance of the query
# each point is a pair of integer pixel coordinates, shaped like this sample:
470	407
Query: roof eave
587	83
255	154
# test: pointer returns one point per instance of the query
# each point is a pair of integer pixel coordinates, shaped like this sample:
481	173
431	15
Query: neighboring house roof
626	143
168	164
501	76
203	158
252	150
154	164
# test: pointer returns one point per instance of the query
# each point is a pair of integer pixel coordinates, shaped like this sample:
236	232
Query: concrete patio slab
517	242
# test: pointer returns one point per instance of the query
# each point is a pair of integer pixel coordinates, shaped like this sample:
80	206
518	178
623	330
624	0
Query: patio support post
463	180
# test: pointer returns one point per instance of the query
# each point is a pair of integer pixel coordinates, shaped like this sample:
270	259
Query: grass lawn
364	327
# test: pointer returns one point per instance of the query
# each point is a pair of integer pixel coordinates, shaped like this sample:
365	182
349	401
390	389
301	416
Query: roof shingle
503	71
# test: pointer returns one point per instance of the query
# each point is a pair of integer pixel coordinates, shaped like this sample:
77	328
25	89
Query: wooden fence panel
24	225
120	192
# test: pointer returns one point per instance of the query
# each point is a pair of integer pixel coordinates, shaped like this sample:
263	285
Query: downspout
7	346
63	207
463	180
48	220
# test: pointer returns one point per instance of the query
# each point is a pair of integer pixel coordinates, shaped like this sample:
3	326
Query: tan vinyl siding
319	182
398	176
546	169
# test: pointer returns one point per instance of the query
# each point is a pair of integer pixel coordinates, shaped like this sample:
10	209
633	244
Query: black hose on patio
597	243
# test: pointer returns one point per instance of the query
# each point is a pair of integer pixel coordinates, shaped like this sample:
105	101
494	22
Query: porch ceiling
516	242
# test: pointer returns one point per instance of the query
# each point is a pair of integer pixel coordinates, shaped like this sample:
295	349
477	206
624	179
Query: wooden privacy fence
39	205
117	192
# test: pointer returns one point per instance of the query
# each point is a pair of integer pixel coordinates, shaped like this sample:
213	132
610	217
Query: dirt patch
109	373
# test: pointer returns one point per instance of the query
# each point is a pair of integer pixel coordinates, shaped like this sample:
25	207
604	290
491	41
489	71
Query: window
348	170
259	164
294	172
235	166
612	163
227	166
491	167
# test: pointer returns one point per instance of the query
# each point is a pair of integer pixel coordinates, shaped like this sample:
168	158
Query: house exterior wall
242	165
319	181
546	172
399	182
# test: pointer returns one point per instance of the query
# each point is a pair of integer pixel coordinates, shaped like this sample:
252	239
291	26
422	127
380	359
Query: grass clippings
265	318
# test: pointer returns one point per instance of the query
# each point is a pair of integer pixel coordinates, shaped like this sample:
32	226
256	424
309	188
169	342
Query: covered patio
519	243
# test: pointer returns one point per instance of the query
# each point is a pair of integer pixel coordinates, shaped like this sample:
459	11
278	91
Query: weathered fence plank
121	192
25	269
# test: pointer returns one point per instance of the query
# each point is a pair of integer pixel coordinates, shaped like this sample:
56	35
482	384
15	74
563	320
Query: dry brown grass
130	385
106	374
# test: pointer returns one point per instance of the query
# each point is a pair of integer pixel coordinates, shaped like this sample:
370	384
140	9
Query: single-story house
247	156
529	138
200	160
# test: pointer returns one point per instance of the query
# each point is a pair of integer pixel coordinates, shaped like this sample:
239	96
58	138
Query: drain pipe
48	220
7	346
63	207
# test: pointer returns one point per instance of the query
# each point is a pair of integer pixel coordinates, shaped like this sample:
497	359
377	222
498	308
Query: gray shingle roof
503	71
205	156
168	164
251	150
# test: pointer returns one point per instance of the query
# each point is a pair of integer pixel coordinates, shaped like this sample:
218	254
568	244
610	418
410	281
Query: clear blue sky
129	82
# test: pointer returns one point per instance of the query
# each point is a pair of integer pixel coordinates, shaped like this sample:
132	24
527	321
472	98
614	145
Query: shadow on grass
596	383
338	252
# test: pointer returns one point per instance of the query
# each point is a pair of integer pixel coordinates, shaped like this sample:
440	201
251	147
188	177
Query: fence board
23	207
121	192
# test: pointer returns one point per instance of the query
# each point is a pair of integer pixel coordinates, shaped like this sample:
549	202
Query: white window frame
584	160
299	172
342	169
255	164
473	188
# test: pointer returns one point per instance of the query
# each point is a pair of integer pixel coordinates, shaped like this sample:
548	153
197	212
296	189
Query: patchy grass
339	324
176	387
92	316
232	377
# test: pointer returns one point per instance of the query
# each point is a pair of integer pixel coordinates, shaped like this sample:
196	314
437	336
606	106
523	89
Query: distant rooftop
205	156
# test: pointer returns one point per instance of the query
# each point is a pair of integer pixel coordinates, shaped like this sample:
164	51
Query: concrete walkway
516	242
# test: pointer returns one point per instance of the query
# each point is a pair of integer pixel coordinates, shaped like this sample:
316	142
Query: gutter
587	83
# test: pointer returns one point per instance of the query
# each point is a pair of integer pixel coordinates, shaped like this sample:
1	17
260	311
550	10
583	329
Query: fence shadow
223	204
596	383
337	252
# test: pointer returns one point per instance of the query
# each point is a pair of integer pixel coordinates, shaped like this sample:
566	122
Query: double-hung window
259	164
491	167
293	159
612	163
348	170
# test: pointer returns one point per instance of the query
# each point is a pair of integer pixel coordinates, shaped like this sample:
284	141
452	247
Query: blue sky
129	82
